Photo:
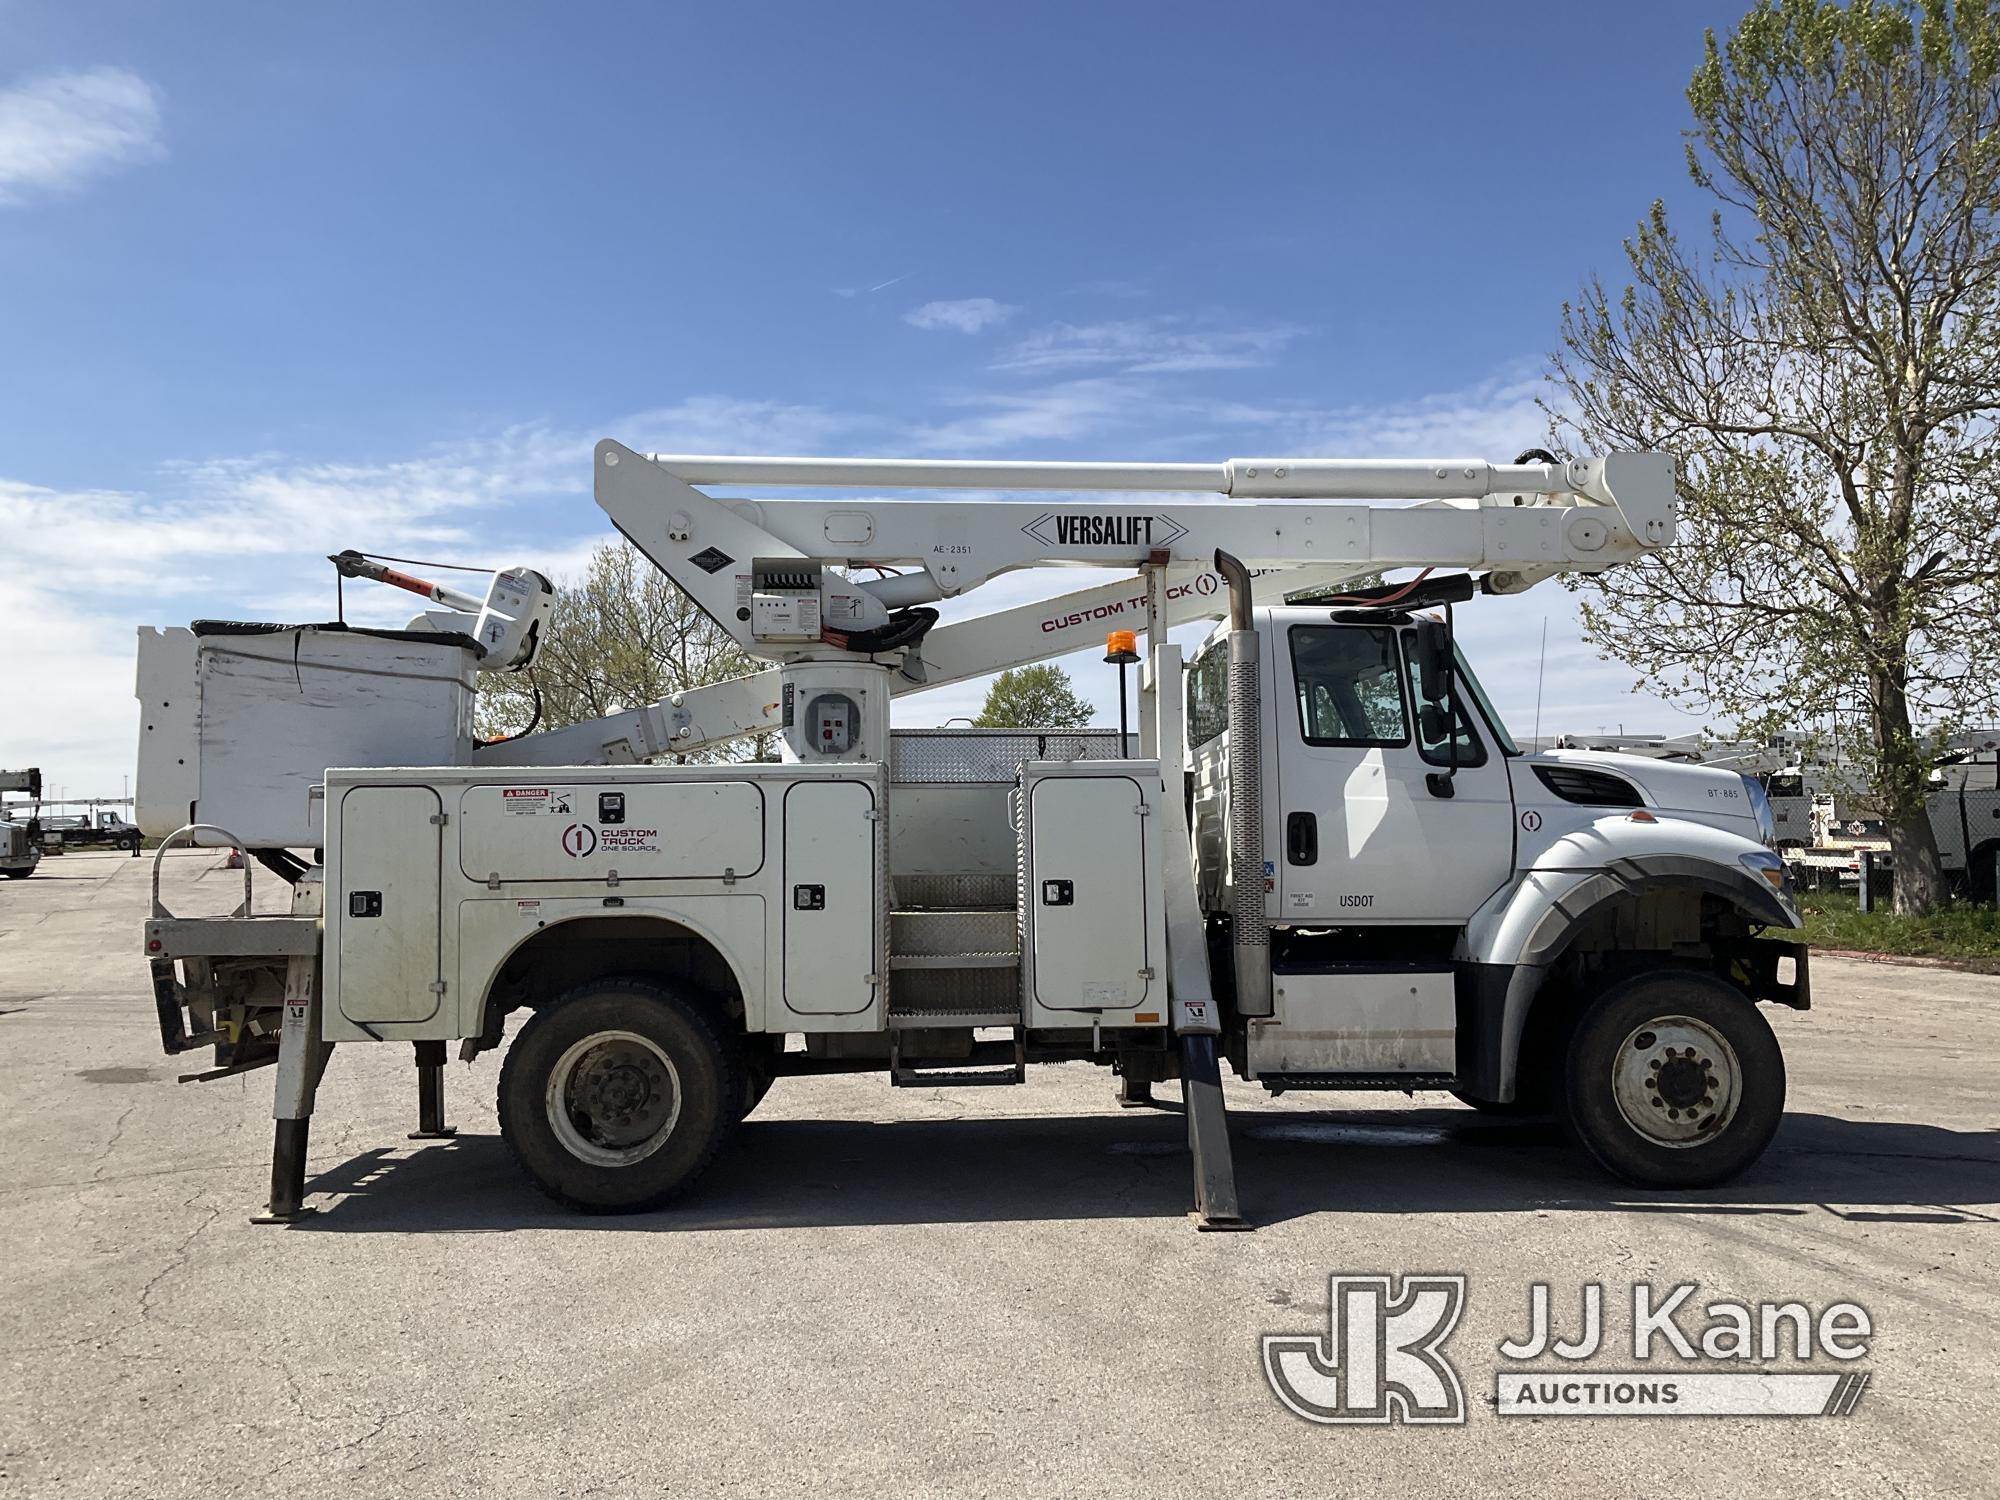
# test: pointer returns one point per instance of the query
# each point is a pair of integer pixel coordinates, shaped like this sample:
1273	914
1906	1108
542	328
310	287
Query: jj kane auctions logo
1382	1358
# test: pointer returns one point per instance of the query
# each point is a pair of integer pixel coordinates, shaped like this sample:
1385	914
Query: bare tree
1826	367
622	636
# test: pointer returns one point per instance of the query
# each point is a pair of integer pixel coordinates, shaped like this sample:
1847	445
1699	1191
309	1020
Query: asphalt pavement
925	1292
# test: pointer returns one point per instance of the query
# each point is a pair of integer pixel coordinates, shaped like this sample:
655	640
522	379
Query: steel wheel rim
613	1098
1676	1081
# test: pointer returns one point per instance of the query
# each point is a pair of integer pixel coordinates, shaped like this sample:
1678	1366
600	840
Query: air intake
1592	788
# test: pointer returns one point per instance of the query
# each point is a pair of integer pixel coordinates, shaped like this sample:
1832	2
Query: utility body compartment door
829	908
382	911
1091	898
643	830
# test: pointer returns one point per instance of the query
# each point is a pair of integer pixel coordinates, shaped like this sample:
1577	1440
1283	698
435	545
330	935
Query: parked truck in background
100	828
20	829
1328	863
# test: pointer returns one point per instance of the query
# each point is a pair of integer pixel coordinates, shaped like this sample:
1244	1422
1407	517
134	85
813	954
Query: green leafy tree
1039	697
1825	364
620	637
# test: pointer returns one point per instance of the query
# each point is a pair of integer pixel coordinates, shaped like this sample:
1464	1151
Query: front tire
1675	1080
617	1095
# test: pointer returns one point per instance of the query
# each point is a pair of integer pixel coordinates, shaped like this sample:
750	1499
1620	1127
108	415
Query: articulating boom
780	575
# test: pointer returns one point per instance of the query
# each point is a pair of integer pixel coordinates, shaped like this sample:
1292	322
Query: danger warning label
532	801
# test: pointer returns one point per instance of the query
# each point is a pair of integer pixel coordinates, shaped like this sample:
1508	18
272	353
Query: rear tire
1674	1080
617	1095
18	874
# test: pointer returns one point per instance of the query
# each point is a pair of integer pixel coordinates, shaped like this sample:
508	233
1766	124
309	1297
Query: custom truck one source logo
1382	1357
579	840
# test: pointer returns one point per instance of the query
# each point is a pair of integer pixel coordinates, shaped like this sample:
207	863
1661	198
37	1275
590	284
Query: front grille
1592	788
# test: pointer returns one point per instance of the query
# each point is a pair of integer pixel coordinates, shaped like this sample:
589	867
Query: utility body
1326	865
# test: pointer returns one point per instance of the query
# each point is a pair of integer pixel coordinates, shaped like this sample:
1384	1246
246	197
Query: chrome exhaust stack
1251	927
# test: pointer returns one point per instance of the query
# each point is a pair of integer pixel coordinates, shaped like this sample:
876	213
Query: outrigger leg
301	1061
430	1094
1208	1136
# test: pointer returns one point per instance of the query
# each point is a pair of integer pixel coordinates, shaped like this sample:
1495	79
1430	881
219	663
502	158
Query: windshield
1471	685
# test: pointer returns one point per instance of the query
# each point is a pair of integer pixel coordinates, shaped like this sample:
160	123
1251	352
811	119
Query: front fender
1512	941
1528	921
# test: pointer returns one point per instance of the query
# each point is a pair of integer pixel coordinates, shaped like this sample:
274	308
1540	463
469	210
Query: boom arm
750	563
1523	522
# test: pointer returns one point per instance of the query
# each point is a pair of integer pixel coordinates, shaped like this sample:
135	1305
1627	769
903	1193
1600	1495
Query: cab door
1370	825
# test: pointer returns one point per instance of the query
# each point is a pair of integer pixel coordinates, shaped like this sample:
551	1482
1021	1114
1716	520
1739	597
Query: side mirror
1431	719
1433	659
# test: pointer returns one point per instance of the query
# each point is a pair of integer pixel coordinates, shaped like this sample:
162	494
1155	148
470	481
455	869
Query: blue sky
276	280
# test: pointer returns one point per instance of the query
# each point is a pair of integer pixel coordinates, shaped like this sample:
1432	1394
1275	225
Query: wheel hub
613	1098
1676	1081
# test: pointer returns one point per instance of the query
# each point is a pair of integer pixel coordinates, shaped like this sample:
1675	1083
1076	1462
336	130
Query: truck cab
1445	910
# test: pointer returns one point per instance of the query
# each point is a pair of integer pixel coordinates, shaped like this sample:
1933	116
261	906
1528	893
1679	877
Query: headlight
1760	804
1767	864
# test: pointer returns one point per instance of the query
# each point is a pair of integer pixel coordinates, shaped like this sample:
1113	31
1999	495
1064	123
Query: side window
1348	680
1431	741
1208	695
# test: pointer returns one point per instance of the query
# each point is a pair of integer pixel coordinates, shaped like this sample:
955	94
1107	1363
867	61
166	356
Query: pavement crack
117	1132
177	1262
380	1425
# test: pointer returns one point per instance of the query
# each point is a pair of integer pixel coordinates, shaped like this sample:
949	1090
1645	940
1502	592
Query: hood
1708	792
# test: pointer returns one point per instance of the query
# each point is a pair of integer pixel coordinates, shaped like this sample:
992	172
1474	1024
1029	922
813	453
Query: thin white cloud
1147	346
1068	412
1494	420
965	315
57	130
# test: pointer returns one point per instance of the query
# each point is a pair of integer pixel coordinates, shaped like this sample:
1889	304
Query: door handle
1301	839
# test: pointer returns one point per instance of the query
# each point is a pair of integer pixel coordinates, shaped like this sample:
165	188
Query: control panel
831	722
785	617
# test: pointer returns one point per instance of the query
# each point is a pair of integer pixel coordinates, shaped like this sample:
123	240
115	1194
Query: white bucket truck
1327	864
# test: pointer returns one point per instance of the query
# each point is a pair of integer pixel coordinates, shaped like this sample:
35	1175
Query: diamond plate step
982	930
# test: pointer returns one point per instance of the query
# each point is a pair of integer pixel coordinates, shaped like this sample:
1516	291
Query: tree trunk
1919	879
1901	782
